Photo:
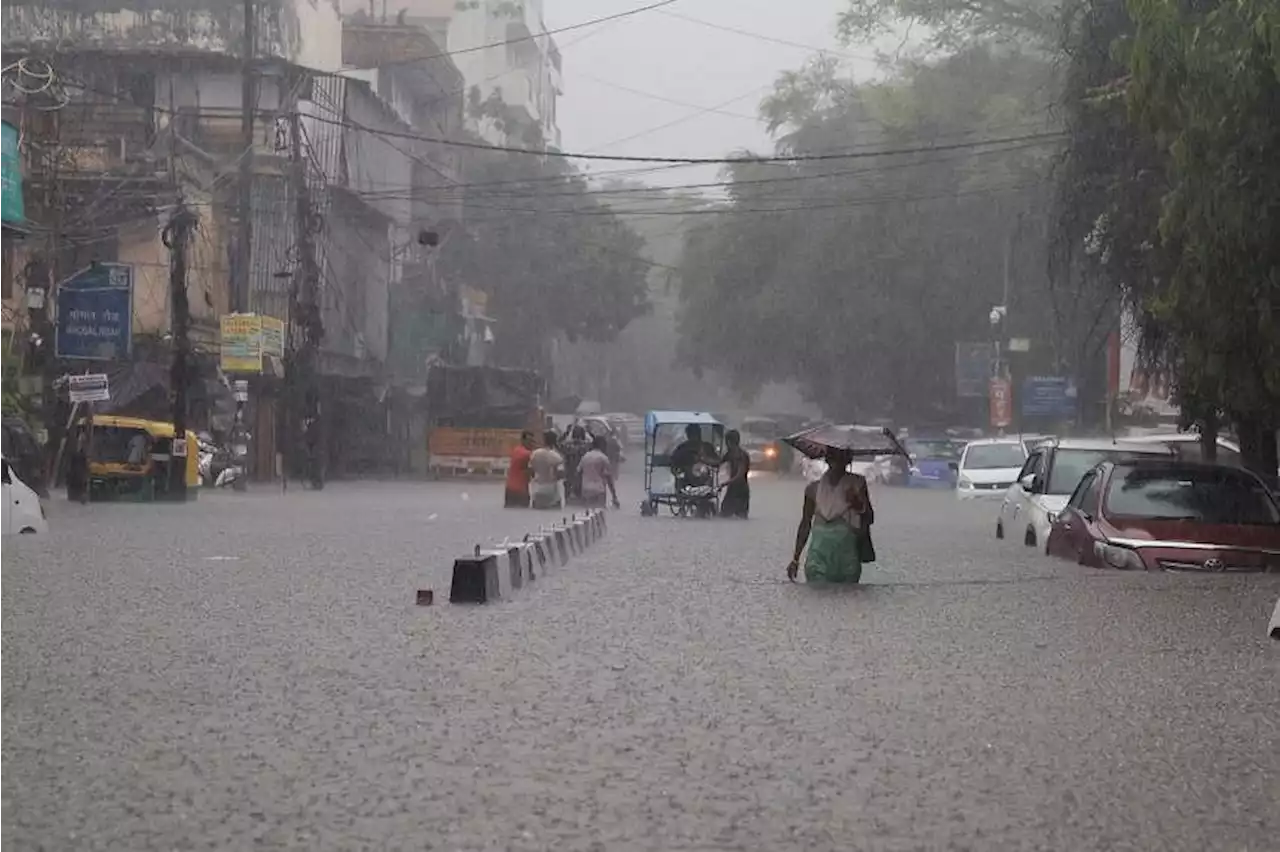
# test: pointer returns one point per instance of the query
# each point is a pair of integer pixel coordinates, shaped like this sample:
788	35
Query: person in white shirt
597	476
548	472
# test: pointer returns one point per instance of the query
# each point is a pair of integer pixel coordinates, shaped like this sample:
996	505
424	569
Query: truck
476	415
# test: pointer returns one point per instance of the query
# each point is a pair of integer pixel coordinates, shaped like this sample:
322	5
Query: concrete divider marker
515	565
589	528
561	543
538	556
475	578
567	527
577	528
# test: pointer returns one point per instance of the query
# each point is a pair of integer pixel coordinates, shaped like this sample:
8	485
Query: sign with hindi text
95	313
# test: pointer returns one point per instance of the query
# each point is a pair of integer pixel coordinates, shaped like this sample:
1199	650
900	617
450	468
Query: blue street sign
1048	396
95	313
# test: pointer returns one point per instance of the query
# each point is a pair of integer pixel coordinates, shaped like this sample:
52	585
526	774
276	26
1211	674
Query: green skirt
834	554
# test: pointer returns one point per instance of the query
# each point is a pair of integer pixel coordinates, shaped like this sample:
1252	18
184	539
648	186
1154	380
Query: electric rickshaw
690	490
129	459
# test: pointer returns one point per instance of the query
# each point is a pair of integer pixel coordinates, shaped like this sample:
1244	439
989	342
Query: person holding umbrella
837	516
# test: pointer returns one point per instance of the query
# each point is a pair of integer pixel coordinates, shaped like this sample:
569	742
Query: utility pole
248	102
176	236
305	312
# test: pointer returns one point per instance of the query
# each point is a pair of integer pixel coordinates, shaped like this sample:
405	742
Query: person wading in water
836	524
737	491
518	473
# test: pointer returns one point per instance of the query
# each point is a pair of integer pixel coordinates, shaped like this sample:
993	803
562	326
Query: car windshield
1210	495
765	430
993	456
1070	465
941	449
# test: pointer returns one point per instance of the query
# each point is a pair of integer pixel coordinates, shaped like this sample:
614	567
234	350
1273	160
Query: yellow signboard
273	337
246	338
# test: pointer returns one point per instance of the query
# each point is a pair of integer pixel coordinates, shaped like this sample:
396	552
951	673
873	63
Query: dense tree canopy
857	277
1168	193
569	267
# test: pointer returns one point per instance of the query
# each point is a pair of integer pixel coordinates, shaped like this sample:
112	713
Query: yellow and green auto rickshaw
130	459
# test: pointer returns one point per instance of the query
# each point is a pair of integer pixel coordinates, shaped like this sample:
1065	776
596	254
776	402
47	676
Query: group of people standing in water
540	476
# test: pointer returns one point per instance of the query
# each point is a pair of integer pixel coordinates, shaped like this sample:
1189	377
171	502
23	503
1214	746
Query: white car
1187	446
988	467
23	511
1048	478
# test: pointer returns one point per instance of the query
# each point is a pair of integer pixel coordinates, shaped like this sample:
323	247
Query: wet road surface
250	671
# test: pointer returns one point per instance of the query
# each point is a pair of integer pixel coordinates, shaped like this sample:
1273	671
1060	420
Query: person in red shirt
518	473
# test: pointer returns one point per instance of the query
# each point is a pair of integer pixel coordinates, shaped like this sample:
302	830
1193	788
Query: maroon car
1156	514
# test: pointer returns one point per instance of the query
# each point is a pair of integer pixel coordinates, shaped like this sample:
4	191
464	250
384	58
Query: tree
954	24
553	259
1205	86
1165	196
857	278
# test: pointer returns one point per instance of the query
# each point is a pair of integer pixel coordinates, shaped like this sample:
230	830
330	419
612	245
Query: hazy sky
681	61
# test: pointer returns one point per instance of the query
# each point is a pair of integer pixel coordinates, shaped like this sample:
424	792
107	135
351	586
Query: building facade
509	62
146	110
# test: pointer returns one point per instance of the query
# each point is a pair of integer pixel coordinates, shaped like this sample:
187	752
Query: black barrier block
475	579
426	597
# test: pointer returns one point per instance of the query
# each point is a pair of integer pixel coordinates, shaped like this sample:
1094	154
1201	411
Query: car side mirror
955	466
1028	482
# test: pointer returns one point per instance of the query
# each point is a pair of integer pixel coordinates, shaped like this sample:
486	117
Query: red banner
1000	393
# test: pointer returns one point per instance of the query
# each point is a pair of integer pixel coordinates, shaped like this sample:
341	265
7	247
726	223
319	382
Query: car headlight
770	452
913	471
1121	558
964	484
1053	517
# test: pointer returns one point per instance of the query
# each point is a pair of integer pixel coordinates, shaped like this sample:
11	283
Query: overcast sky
679	60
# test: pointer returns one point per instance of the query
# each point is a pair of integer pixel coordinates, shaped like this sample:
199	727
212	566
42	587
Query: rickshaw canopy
654	419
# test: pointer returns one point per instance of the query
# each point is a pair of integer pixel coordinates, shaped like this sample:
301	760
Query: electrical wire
533	37
724	161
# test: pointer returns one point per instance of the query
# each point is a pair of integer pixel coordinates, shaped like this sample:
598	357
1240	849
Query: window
1211	495
1077	496
1091	500
1031	465
993	456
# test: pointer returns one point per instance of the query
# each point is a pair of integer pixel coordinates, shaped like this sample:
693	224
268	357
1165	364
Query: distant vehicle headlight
770	452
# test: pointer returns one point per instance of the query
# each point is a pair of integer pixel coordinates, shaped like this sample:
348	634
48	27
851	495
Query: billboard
11	199
95	313
975	365
240	345
1048	396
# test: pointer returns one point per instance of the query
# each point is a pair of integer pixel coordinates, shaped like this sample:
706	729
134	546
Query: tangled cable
44	81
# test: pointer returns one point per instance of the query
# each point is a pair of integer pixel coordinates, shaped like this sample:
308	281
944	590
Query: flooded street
251	670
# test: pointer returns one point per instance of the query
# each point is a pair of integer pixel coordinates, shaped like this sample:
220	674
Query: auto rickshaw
688	493
129	459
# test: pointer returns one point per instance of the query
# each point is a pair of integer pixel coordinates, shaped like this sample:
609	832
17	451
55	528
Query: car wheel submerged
1030	538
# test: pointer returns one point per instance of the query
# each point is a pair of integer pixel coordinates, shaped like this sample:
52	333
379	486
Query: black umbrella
859	441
